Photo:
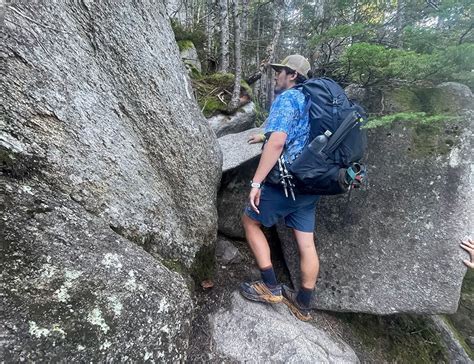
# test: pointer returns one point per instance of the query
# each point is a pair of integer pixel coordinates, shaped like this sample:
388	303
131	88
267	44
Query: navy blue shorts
274	205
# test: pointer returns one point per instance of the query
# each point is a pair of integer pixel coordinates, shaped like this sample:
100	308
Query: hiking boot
260	292
289	299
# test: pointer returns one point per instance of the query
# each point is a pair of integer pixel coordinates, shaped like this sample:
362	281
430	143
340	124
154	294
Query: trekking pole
289	178
282	176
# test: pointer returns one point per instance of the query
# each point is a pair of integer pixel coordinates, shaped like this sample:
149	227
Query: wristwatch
255	184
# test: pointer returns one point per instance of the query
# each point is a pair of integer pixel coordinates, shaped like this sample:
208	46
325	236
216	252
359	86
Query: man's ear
293	76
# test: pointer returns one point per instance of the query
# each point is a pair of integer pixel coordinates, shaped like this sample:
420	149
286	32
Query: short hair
299	77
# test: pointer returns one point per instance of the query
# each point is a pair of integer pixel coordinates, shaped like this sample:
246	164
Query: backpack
335	169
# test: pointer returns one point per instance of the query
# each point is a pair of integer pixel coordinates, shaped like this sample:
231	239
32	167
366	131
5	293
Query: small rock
226	252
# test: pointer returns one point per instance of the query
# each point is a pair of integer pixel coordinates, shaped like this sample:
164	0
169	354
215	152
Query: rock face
458	95
78	292
101	150
456	352
394	246
240	163
243	119
255	332
189	55
226	252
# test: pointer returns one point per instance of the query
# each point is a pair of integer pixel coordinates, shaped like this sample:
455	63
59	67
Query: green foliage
367	63
455	64
371	64
422	40
417	117
339	31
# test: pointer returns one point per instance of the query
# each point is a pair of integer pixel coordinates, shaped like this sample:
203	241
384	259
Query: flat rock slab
236	150
256	332
395	246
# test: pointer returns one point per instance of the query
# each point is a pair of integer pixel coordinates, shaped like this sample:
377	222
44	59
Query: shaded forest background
373	43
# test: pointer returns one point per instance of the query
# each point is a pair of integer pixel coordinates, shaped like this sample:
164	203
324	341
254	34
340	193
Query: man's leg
270	291
309	261
299	302
257	242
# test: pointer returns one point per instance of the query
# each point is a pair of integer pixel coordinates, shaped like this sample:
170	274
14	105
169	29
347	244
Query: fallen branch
219	96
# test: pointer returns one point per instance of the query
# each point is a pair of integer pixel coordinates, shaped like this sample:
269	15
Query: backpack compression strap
340	134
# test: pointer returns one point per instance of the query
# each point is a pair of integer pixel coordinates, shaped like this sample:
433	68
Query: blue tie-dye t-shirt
288	115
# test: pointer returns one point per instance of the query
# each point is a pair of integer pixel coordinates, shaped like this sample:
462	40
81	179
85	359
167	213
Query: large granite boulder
395	246
457	95
447	97
256	332
240	162
75	291
111	112
102	146
242	120
189	54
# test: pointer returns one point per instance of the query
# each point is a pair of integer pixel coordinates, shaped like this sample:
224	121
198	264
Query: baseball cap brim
278	67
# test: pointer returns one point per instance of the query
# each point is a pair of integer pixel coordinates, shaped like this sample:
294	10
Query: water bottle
318	143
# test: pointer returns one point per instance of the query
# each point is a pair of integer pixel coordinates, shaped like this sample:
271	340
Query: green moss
435	138
211	105
463	320
434	101
221	79
185	44
400	338
174	265
458	336
215	91
247	88
204	264
404	99
414	117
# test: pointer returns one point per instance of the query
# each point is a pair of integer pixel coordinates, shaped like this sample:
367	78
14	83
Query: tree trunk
270	85
209	33
400	23
235	101
224	25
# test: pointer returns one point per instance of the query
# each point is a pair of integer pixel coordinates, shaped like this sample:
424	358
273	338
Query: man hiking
287	131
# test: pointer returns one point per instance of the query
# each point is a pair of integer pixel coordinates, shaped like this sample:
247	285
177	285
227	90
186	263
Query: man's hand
468	246
256	138
254	198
